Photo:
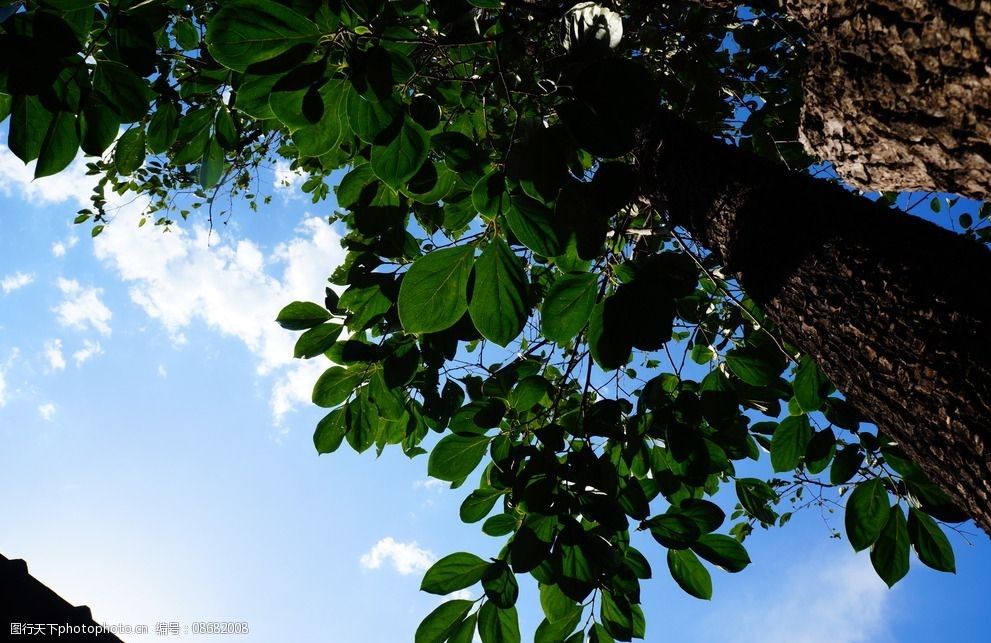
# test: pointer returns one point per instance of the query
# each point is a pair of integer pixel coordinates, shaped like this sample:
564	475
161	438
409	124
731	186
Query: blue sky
157	462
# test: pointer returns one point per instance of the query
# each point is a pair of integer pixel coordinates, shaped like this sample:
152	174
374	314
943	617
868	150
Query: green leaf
599	634
440	623
29	121
464	633
755	496
674	531
433	295
163	128
846	464
617	615
534	225
820	451
336	385
889	555
98	126
499	525
497	625
556	605
330	432
129	154
453	572
707	515
499	583
568	306
489	195
866	513
59	146
399	160
723	551
789	442
456	456
478	504
122	90
300	315
317	340
323	136
245	32
811	385
498	303
929	542
752	366
212	165
688	572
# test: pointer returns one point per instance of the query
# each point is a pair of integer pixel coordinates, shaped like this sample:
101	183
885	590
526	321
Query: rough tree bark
892	307
897	92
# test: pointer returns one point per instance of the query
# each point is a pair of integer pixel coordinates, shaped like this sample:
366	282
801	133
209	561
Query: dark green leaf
452	573
456	456
130	151
846	464
433	295
811	385
399	160
317	340
889	555
489	195
497	625
752	366
499	525
464	633
300	315
59	146
568	306
722	551
335	385
755	496
689	573
674	531
617	615
245	32
820	451
789	442
163	128
330	432
534	225
930	543
122	90
500	585
866	513
440	623
556	605
498	302
212	164
478	504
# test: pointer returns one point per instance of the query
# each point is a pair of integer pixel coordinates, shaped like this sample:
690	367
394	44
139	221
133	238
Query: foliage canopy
508	304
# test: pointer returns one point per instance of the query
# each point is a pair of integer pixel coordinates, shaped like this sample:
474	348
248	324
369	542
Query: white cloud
430	484
47	411
4	369
89	350
13	282
68	185
53	353
287	181
190	275
82	307
406	558
162	372
844	599
59	248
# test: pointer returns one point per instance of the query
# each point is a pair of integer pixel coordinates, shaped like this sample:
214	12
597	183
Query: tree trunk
898	92
892	307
